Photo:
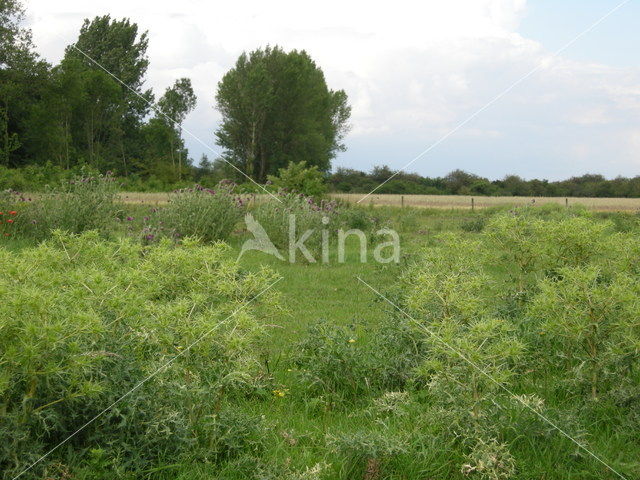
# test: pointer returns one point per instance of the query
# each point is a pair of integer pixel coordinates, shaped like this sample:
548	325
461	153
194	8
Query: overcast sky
413	71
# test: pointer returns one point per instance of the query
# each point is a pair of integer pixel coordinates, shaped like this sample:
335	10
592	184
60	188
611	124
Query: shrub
209	214
298	178
589	324
353	217
535	304
299	211
78	205
530	247
84	320
336	361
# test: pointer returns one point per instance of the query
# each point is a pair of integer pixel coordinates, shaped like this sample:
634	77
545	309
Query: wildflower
352	340
280	393
12	212
10	220
129	219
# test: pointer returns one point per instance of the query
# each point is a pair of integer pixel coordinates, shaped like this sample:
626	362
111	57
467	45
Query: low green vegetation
503	345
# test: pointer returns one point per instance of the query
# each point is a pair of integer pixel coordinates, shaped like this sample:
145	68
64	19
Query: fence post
472	204
402	201
566	202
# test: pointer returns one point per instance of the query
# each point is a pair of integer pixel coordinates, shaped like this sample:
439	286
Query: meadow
503	345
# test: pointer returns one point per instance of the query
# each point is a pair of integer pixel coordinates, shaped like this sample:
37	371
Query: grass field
442	201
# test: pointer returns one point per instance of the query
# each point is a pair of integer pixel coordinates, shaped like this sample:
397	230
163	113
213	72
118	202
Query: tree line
459	182
93	109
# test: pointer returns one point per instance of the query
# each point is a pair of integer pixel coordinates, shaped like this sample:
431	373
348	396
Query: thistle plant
308	213
86	202
590	328
207	213
84	320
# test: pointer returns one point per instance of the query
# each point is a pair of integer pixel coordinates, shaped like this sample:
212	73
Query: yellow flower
280	393
352	340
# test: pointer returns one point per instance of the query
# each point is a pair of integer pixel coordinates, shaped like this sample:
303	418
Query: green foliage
475	224
367	450
75	113
460	182
572	335
297	211
491	460
177	101
353	217
209	214
84	203
85	320
277	109
335	363
590	326
298	178
531	246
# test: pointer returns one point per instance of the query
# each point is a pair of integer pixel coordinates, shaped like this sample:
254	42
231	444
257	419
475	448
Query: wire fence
434	201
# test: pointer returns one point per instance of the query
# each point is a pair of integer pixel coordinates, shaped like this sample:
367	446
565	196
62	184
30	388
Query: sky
414	71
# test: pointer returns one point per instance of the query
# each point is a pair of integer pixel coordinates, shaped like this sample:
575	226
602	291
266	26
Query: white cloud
412	70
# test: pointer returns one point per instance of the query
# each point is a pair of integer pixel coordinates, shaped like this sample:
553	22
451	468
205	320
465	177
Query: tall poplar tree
276	108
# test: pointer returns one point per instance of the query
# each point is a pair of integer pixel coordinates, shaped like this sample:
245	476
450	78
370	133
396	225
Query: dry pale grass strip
434	201
465	201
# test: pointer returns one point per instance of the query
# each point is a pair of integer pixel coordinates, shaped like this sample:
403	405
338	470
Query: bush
84	320
209	214
353	217
78	205
335	361
534	305
589	324
297	178
306	214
